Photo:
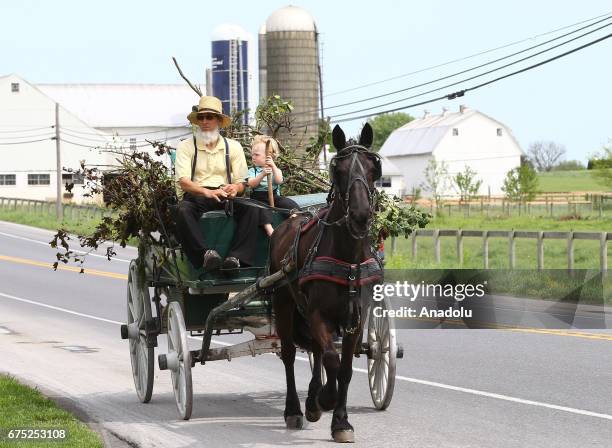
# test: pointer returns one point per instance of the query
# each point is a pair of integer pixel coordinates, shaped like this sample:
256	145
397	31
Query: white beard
207	137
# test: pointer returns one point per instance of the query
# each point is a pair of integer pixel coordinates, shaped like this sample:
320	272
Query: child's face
258	154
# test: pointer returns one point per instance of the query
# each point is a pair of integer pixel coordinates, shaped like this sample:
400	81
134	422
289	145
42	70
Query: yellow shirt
210	167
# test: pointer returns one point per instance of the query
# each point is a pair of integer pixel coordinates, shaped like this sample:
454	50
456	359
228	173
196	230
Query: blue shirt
263	185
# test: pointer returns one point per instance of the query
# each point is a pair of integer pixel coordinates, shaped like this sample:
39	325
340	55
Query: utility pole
321	94
58	160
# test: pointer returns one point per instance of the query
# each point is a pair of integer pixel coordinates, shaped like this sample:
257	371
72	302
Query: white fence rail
511	236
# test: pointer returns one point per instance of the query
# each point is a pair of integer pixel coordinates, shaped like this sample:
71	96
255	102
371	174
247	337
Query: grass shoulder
22	407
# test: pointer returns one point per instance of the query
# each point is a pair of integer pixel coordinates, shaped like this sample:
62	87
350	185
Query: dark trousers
265	216
189	232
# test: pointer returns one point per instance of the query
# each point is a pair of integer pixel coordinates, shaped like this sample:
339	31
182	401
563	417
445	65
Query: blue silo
230	77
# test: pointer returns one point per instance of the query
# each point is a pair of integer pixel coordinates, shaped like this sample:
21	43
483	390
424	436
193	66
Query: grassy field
22	407
45	221
581	180
555	256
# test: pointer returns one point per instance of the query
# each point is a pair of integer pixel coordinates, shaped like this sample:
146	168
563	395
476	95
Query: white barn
392	180
459	139
28	146
92	117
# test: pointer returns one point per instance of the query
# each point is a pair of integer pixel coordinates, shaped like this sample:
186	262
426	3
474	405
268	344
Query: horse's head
353	171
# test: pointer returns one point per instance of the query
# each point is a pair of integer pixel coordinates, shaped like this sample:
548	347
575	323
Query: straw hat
211	105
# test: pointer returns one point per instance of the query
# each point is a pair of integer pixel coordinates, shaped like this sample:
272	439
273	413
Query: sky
567	101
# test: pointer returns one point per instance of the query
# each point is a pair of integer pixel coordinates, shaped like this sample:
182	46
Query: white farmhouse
392	181
459	139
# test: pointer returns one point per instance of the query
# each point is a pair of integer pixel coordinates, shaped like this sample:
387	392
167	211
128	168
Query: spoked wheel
179	360
323	373
382	352
139	311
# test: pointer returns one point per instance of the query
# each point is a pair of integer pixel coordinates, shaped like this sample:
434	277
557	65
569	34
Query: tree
521	184
436	180
602	166
466	183
383	125
545	154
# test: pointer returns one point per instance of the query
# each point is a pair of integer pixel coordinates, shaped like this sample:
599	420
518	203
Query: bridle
357	173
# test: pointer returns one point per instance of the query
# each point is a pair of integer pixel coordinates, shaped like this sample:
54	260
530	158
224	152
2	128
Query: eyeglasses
202	117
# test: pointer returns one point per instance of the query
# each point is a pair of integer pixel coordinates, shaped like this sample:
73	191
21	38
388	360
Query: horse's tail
301	331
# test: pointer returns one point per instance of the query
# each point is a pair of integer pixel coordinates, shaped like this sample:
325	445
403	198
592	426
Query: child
258	179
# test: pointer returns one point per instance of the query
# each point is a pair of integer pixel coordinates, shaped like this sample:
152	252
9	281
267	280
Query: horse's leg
342	431
313	412
322	334
284	308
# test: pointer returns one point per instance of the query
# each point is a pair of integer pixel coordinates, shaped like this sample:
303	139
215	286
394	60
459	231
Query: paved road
459	388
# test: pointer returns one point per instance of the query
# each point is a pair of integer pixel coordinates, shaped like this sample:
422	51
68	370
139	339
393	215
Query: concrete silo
289	58
230	67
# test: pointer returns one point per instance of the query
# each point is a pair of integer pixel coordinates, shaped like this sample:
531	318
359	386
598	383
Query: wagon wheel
323	373
139	311
179	360
382	352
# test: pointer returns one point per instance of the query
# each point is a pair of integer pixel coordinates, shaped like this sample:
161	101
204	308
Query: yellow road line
576	334
569	333
63	268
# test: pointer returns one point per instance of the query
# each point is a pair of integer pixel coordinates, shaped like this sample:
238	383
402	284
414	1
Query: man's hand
217	194
231	190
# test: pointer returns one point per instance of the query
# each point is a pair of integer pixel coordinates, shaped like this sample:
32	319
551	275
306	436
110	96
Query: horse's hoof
344	436
313	416
294	421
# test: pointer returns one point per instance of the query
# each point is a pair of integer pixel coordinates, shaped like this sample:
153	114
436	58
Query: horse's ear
338	138
367	136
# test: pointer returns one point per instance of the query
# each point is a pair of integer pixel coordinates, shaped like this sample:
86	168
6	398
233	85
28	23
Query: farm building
92	117
392	181
467	138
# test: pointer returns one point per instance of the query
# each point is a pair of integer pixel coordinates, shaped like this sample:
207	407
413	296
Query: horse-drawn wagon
167	295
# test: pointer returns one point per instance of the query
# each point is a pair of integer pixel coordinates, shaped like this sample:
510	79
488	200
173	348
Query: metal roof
422	135
290	18
125	105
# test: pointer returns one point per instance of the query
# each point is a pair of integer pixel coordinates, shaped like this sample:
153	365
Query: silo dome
290	18
229	31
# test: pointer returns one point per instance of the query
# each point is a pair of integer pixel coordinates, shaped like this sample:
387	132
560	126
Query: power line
23	143
462	92
472	77
17	131
47	134
101	140
362	86
177	128
469	70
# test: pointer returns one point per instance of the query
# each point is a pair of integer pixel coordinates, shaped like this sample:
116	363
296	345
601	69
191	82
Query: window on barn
384	181
8	179
73	178
455	131
14	87
39	179
132	144
499	132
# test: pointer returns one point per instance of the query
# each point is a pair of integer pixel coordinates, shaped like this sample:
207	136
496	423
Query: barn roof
125	105
422	135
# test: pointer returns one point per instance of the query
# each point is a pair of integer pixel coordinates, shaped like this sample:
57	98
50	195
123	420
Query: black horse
330	295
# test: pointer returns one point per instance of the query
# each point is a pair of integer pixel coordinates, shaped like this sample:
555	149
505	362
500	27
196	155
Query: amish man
207	184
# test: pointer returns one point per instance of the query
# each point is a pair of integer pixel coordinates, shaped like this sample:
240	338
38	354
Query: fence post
511	249
436	239
485	248
540	250
570	251
414	245
460	247
392	251
603	253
